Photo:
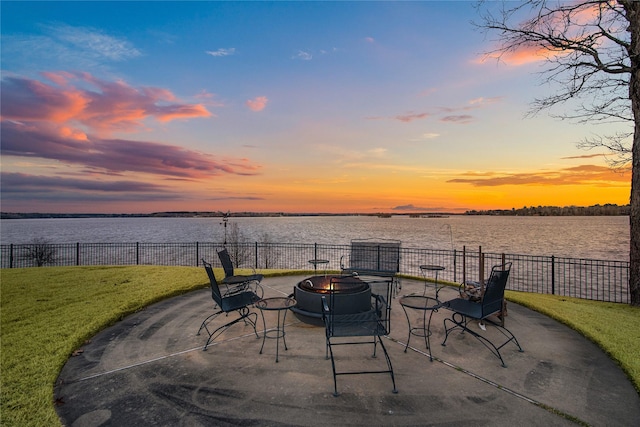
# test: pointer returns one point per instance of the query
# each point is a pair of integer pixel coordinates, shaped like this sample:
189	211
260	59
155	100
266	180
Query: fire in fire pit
351	296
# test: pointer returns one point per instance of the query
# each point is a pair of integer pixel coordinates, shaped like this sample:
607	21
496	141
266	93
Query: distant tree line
595	210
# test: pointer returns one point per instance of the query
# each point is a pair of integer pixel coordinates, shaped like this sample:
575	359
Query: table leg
264	332
408	323
425	331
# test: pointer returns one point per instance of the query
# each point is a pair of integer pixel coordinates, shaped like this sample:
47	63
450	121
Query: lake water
575	237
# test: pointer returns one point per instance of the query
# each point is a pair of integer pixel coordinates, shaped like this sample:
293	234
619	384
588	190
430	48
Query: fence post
464	264
455	265
481	265
315	251
77	253
11	256
197	252
137	253
256	255
553	275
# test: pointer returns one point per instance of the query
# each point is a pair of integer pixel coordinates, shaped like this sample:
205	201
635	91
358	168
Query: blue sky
278	106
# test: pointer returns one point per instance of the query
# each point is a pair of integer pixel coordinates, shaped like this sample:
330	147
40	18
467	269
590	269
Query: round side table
281	305
424	304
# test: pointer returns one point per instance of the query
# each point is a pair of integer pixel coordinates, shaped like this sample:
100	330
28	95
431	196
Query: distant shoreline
595	210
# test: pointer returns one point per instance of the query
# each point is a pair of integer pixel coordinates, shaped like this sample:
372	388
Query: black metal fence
599	280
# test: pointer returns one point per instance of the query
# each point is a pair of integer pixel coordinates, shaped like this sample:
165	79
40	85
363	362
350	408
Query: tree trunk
632	9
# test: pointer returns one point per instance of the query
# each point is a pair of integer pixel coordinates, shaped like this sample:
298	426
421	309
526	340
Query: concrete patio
149	369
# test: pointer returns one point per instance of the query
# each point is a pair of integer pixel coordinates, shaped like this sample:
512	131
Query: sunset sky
139	107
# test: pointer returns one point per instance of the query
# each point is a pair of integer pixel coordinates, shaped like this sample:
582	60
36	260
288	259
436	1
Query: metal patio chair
491	302
238	302
370	326
374	257
237	283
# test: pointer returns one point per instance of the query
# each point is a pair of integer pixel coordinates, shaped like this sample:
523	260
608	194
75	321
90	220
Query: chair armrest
342	267
259	290
325	305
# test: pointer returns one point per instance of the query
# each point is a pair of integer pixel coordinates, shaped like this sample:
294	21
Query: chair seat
359	324
234	302
236	280
463	306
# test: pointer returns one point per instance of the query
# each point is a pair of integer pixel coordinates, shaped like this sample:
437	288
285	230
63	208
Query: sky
298	107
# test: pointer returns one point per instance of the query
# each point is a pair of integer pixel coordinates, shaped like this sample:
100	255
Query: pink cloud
70	119
406	118
257	104
105	107
116	155
462	118
578	175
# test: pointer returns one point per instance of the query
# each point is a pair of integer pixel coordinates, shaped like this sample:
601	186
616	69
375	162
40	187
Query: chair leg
205	321
386	355
333	368
462	324
389	369
244	315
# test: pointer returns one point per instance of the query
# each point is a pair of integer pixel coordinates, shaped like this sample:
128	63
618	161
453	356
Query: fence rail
599	280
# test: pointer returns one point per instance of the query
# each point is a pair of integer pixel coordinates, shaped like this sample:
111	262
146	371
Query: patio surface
149	369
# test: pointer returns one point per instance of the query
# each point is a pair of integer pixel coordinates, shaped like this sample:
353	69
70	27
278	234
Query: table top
275	303
419	302
431	267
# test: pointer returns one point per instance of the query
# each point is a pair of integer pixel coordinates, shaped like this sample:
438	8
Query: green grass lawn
47	313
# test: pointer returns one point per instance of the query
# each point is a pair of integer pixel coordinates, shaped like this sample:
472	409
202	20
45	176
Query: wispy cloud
93	41
64	46
303	55
117	155
579	175
411	208
55	190
446	113
222	52
409	117
461	118
585	156
258	103
226	198
425	137
20	182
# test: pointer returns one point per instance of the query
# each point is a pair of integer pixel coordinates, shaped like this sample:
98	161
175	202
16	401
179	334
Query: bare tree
40	251
238	250
269	254
592	48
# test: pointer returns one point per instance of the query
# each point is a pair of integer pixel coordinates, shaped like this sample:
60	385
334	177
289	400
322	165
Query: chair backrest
215	290
493	296
227	264
375	321
381	290
376	255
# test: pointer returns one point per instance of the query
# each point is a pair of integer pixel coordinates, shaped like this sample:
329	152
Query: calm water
576	237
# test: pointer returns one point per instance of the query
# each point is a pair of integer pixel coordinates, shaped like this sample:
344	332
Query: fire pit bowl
351	296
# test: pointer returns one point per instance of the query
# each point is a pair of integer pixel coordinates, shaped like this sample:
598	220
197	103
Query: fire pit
351	296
